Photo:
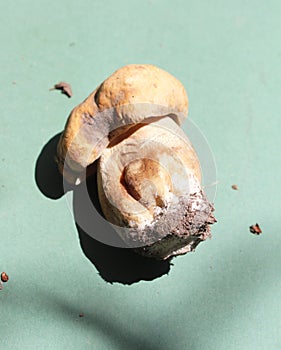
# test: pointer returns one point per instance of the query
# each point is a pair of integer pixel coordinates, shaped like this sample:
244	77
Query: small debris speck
64	87
234	187
4	277
81	314
255	229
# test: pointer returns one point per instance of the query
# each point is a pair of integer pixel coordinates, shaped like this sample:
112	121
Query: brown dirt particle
64	87
255	229
4	277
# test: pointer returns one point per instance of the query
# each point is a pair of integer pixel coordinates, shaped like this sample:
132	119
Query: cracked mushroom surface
148	174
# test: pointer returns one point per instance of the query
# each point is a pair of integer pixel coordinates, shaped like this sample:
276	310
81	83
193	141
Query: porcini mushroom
148	174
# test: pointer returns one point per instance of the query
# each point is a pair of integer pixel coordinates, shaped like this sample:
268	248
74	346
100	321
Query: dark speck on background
255	229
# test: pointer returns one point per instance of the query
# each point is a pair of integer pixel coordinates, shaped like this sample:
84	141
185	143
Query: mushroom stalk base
177	231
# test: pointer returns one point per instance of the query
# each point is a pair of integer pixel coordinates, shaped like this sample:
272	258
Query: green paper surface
226	295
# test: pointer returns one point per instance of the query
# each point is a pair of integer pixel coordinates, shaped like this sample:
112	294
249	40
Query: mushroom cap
131	95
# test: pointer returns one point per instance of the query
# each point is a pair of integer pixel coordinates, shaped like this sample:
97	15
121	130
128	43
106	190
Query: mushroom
148	174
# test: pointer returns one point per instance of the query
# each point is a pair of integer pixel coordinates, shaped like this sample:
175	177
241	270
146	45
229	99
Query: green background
226	295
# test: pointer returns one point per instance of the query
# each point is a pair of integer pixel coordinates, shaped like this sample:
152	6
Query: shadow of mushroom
114	264
47	177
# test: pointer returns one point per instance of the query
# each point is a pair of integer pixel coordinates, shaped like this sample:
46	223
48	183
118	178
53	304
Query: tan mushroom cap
131	95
